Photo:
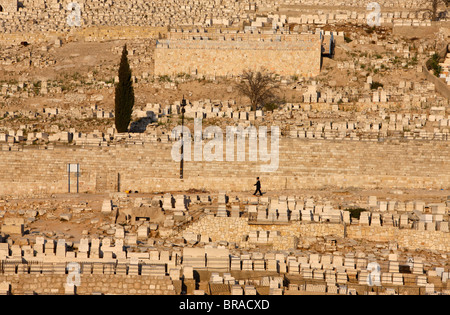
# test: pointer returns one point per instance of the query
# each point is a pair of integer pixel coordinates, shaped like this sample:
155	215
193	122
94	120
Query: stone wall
222	58
89	284
303	164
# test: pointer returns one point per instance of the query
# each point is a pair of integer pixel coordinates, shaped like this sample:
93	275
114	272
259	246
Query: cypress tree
124	96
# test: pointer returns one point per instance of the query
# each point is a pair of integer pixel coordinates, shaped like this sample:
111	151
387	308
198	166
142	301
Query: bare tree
258	86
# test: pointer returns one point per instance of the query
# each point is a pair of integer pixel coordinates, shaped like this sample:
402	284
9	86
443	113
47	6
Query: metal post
183	104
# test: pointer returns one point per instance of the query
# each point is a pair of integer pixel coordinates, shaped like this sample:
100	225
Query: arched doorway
1	8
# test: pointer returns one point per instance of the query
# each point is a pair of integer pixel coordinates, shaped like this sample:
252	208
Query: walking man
258	187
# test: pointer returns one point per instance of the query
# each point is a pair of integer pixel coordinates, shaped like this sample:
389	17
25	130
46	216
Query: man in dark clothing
258	187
